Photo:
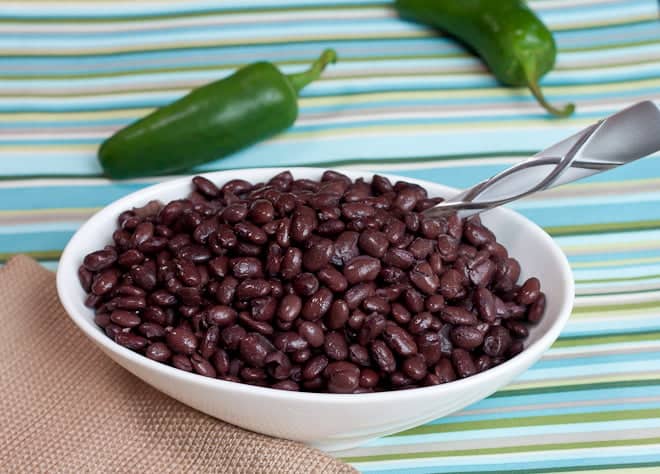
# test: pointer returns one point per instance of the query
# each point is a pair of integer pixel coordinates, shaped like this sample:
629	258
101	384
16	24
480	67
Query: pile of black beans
334	286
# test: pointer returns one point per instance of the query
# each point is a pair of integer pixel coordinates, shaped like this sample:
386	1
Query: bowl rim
66	281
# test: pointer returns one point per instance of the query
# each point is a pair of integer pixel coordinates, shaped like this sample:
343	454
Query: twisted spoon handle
626	136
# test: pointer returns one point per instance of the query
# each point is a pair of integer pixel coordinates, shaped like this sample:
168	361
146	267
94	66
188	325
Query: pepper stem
533	84
301	79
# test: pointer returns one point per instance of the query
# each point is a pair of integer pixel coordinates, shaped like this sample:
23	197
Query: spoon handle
626	136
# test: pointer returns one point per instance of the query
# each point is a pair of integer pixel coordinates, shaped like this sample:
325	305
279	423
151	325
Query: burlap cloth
66	407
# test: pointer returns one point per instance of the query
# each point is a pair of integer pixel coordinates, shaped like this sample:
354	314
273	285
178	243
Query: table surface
401	100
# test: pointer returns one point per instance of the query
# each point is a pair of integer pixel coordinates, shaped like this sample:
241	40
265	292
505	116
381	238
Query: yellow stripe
53	211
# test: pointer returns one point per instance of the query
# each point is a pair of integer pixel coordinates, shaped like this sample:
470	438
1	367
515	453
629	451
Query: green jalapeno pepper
509	37
211	122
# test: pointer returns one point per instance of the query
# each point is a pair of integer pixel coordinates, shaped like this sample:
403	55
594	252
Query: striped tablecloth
401	100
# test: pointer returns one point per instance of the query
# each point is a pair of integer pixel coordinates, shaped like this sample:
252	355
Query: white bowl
326	421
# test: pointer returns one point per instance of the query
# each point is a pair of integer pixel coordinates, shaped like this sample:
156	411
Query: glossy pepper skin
211	122
514	43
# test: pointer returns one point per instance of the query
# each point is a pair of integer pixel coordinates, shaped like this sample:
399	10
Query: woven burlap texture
66	407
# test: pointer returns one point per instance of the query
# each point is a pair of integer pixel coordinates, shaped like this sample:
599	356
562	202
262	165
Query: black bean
317	305
537	309
414	367
361	269
99	260
343	377
291	265
125	319
335	346
131	341
463	363
312	333
424	278
158	351
305	284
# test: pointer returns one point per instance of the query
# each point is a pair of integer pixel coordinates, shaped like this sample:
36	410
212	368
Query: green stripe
616	307
533	421
504	450
512	391
38	255
611	280
577	341
623	292
552	470
602	228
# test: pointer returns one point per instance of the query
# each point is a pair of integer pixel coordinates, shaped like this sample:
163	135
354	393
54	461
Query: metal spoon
626	136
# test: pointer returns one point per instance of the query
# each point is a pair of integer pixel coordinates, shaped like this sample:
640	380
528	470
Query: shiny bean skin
345	248
399	340
355	295
202	366
429	345
254	348
221	315
333	279
289	342
225	290
457	315
373	243
125	319
182	340
399	258
369	378
343	377
305	284
466	337
359	355
383	357
158	351
314	367
251	288
414	367
361	269
444	370
537	309
400	314
250	233
291	265
289	308
99	260
261	211
463	363
246	267
303	223
451	285
131	341
317	305
337	315
335	346
318	256
105	281
424	278
372	327
517	328
312	333
485	304
529	292
357	210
